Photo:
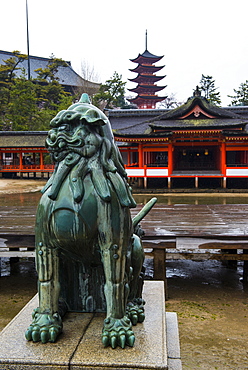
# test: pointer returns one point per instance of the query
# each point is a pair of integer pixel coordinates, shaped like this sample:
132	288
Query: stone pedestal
80	347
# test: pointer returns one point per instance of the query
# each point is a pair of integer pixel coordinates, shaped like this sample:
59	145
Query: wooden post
229	263
145	182
245	268
224	183
159	264
196	182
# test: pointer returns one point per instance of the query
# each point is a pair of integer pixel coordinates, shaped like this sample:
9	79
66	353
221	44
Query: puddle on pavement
191	198
32	199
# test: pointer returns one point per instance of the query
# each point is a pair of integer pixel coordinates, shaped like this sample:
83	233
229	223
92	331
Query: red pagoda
146	89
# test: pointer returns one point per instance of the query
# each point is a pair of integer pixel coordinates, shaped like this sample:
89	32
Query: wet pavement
179	215
209	297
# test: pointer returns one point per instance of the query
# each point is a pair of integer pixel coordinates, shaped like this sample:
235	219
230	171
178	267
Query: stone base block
79	346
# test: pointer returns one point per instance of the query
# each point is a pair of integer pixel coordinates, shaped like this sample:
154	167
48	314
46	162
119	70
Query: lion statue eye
64	128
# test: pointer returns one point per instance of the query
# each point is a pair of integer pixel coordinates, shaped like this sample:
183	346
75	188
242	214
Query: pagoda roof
146	88
146	56
143	77
147	68
148	97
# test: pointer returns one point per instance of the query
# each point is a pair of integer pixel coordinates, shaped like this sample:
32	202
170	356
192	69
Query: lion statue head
81	143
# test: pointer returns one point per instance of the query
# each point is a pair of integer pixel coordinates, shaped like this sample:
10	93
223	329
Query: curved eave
231	134
146	98
199	124
203	104
146	68
144	138
142	78
146	88
147	56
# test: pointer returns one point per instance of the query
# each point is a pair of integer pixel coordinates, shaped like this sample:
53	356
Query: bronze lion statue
89	255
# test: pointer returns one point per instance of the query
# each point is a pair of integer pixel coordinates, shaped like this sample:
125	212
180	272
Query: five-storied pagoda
146	89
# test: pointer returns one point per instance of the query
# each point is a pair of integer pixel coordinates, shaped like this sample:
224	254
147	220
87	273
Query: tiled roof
23	139
66	75
132	121
143	121
212	123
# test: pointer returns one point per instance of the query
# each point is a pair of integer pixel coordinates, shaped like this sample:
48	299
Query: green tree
111	93
241	95
22	108
10	67
8	72
207	86
30	104
49	91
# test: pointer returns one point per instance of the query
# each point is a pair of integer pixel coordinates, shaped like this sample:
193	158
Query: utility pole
29	75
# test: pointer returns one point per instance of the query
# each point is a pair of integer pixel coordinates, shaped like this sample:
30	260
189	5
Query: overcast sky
195	37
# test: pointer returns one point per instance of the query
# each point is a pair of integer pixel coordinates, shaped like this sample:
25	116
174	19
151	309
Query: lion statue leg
135	305
47	323
114	241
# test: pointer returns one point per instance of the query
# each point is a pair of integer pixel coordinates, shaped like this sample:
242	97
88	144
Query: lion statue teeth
89	255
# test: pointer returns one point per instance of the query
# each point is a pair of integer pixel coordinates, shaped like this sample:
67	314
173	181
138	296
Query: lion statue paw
45	327
117	332
135	310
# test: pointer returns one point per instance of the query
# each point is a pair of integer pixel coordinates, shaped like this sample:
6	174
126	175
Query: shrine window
156	159
237	158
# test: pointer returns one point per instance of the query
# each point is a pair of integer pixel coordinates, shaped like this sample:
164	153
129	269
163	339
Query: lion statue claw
89	255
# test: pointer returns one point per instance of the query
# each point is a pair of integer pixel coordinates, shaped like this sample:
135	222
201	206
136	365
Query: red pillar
170	159
128	157
21	161
140	151
223	158
41	161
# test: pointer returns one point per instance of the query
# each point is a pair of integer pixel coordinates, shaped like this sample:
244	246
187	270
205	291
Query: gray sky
195	37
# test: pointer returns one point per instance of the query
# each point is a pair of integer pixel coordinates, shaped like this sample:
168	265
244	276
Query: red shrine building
146	78
183	147
193	143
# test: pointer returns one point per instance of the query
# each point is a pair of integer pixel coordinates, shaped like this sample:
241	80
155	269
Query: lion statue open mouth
89	256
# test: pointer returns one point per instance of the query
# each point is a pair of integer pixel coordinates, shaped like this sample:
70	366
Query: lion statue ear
85	99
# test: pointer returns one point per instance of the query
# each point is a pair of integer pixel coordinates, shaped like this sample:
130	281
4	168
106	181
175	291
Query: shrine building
24	152
188	144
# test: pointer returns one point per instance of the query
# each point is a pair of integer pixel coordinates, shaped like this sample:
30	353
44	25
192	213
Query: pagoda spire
146	78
